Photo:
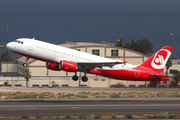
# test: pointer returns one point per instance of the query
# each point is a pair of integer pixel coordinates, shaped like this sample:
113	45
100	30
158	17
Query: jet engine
68	66
52	66
63	65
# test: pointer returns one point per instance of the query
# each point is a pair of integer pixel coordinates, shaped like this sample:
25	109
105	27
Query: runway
77	90
57	107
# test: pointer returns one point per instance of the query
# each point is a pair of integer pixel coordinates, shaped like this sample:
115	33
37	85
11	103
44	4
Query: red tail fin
158	61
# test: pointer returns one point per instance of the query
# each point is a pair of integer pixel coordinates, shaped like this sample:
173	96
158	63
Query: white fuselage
54	53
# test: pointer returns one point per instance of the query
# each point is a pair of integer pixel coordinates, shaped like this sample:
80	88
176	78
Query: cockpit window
18	41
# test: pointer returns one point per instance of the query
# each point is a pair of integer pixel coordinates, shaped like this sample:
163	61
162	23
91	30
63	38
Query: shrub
172	116
114	117
173	83
119	85
149	117
39	117
115	95
159	117
81	95
6	83
162	117
97	117
57	117
82	117
129	116
25	117
153	84
68	117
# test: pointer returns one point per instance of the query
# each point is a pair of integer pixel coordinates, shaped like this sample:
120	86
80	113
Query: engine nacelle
68	66
53	66
63	65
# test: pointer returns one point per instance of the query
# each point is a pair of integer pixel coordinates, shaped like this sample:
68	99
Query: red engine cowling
63	65
53	66
68	66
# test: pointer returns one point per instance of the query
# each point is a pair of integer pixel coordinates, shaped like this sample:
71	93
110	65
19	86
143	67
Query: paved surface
77	90
55	107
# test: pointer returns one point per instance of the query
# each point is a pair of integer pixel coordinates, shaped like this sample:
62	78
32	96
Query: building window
102	79
95	52
114	53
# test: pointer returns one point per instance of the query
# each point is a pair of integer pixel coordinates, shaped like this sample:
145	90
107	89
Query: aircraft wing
92	65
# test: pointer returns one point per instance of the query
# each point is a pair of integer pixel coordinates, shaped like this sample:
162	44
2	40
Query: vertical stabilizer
158	61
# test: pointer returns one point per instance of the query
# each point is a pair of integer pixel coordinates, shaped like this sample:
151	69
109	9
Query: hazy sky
10	12
89	4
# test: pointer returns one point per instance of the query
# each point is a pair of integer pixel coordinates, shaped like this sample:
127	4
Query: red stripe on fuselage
131	75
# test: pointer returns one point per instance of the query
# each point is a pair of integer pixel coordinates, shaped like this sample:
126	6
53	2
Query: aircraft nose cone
8	46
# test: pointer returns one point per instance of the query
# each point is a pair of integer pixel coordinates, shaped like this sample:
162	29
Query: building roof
10	74
76	44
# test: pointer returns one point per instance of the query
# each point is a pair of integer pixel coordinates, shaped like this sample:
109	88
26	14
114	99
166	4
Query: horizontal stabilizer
158	76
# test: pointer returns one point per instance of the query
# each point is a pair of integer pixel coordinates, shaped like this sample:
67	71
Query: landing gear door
31	45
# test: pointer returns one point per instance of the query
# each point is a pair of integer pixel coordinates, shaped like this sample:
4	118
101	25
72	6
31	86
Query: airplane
61	58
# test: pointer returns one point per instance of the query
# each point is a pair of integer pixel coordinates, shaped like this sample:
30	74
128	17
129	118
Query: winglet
124	62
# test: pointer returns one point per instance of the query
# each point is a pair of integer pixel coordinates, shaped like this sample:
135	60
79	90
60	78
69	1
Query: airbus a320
61	58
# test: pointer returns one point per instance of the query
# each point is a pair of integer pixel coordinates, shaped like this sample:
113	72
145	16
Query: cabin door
31	45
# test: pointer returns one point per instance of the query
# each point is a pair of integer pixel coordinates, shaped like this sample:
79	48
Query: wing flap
93	65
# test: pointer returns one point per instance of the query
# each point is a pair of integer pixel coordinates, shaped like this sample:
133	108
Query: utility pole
1	46
171	40
7	37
